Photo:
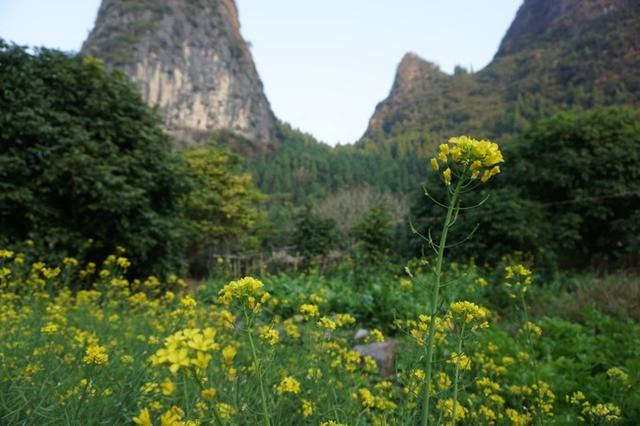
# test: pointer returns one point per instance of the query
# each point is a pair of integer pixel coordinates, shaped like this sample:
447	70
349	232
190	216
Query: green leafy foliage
583	169
373	234
223	205
82	158
314	236
568	193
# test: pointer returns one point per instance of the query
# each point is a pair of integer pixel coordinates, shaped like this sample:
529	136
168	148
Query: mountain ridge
190	60
557	54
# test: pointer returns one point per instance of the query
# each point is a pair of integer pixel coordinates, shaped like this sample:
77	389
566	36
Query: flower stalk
429	347
256	362
457	379
464	160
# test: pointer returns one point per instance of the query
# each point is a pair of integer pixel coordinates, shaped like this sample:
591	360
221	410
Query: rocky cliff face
190	60
551	20
414	75
557	54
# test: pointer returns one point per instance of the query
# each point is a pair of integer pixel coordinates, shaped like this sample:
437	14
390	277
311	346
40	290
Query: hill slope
557	54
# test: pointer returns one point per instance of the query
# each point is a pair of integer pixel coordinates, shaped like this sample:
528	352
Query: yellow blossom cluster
309	310
460	360
469	313
380	400
446	406
288	385
518	278
247	290
531	329
185	349
595	413
96	355
418	329
269	335
469	157
617	374
307	408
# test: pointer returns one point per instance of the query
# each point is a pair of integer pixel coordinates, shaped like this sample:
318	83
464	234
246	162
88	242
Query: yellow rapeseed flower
461	360
366	398
50	328
470	313
327	323
208	393
201	360
143	419
377	335
469	157
344	320
172	417
447	176
309	310
241	290
307	408
225	411
618	374
446	405
96	354
228	354
168	387
288	385
269	335
314	374
434	164
531	329
178	358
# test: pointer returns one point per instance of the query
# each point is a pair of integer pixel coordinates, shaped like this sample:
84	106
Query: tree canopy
84	165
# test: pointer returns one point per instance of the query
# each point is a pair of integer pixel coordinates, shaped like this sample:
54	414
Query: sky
325	64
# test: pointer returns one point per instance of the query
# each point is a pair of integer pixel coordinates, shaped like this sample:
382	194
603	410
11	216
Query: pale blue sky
325	64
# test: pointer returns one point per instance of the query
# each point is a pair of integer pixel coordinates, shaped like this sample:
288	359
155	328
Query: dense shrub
570	195
584	170
82	158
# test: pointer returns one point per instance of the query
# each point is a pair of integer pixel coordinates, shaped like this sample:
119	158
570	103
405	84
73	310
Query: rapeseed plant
114	349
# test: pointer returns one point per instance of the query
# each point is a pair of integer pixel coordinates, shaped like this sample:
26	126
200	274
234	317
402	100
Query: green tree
569	194
314	236
83	158
373	233
585	170
223	206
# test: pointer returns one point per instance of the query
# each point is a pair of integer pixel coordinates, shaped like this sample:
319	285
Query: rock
361	334
189	59
382	352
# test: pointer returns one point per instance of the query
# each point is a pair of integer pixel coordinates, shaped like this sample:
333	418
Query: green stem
256	362
216	416
534	364
434	303
456	379
185	391
84	394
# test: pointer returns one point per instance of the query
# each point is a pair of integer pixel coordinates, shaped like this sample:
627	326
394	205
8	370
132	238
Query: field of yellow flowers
81	344
84	344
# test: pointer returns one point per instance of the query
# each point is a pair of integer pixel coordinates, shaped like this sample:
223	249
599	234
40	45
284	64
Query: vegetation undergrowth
435	341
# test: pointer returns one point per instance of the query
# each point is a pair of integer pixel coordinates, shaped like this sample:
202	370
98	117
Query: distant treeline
85	168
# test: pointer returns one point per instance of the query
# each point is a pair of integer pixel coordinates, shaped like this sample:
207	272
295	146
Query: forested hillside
557	55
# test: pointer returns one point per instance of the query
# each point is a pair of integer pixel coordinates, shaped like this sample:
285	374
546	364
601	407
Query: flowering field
80	344
423	344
